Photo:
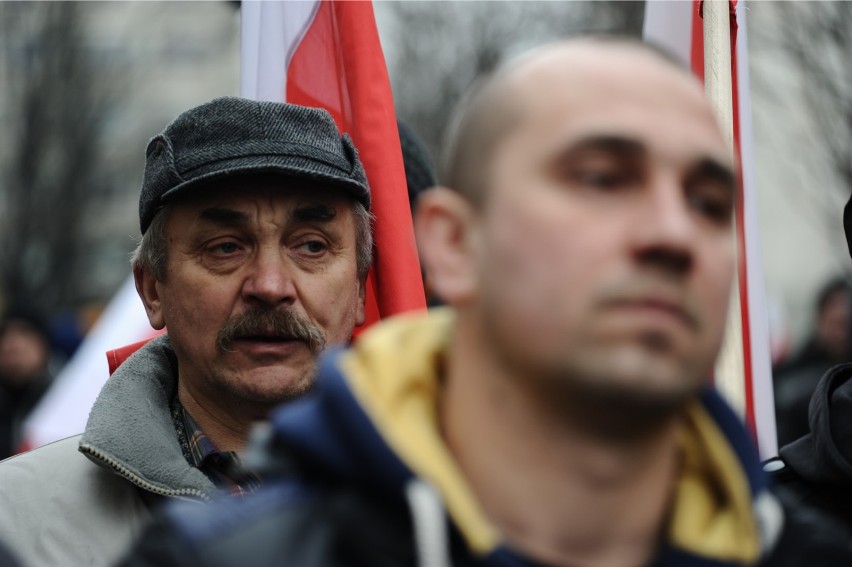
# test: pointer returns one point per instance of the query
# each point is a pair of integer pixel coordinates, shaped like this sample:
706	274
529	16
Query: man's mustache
280	324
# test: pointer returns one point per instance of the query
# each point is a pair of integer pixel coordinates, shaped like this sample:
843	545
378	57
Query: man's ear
361	315
146	287
445	227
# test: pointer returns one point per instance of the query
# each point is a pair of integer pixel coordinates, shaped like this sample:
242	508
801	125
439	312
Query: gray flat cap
233	136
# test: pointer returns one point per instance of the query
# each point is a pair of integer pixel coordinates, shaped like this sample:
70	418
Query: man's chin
270	385
628	396
640	367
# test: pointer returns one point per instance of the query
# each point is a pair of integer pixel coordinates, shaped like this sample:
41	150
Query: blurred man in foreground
559	413
255	247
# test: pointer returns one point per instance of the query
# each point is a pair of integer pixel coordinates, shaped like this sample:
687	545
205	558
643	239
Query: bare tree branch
50	172
441	47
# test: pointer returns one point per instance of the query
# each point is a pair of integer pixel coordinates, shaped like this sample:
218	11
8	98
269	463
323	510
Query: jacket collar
130	427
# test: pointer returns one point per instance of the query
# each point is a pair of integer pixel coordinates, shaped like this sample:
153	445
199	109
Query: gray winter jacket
83	500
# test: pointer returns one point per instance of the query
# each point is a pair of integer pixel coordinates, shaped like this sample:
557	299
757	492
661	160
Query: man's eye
715	208
225	248
712	200
314	246
601	179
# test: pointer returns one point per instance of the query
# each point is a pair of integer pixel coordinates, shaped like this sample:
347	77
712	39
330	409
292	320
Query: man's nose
270	280
667	234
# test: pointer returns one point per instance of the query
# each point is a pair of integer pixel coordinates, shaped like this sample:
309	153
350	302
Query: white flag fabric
271	31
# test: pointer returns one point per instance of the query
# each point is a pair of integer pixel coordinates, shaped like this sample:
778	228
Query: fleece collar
131	425
393	374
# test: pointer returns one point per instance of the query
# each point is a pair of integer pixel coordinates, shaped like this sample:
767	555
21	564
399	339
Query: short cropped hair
485	115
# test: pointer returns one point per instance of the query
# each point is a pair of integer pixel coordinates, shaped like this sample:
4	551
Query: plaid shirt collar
223	468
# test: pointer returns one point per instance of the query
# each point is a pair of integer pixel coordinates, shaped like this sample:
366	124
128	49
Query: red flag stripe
339	66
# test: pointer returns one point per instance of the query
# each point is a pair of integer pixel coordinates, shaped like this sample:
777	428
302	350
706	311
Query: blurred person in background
829	344
256	243
815	470
25	370
419	168
419	177
558	412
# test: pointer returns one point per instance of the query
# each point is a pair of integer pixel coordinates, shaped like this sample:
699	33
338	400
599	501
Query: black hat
234	136
419	169
22	311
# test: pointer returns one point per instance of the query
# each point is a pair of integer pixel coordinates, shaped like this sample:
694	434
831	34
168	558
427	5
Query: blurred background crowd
84	85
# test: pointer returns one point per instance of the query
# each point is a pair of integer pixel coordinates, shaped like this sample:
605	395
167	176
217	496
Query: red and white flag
744	373
314	53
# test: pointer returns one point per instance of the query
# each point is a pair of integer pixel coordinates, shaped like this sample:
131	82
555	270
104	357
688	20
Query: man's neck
227	429
556	493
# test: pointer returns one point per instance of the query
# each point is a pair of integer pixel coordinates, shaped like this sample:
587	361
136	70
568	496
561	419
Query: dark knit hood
825	454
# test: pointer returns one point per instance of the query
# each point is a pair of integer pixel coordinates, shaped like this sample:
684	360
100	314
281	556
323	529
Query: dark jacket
16	402
358	475
6	557
816	470
794	383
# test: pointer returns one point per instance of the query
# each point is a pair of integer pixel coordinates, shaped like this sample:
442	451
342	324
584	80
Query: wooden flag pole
730	366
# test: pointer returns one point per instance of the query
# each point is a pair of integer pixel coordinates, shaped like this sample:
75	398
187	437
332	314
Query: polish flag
314	53
744	369
327	54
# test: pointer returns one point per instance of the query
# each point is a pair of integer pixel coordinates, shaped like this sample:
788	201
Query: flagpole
730	365
763	398
717	65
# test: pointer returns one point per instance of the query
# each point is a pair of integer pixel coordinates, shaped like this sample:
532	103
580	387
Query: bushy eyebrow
224	217
313	213
230	217
618	145
708	168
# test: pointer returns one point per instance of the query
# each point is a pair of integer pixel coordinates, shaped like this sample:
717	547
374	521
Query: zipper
430	525
141	482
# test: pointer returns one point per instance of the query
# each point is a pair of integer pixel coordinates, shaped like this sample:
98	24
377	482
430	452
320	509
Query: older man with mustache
255	247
